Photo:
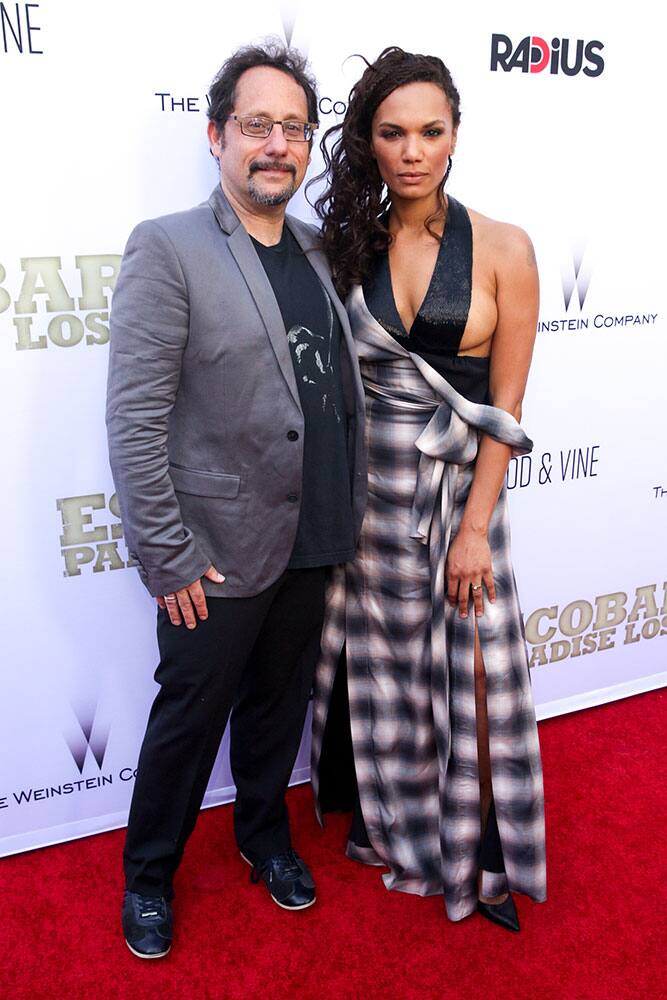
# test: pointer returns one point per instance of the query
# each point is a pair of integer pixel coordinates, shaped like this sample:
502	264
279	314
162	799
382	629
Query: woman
443	305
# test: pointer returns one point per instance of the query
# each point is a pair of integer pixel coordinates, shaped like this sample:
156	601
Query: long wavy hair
354	203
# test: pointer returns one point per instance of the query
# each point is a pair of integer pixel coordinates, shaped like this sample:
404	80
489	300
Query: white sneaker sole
304	906
140	954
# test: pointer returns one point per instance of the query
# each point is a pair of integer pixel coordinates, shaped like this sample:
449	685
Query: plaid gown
410	657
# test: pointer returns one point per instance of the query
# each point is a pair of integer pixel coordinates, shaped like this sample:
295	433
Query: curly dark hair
273	53
353	205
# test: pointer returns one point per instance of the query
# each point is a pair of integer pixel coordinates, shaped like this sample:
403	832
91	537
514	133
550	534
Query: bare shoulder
510	245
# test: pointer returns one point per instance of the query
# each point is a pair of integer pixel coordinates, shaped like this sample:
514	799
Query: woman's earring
448	171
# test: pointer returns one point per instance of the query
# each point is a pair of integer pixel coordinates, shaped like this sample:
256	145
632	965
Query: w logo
288	12
577	276
86	735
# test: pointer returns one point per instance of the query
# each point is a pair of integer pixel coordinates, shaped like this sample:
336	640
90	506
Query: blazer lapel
309	243
259	285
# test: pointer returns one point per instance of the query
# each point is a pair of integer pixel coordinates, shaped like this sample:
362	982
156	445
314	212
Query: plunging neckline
440	322
408	333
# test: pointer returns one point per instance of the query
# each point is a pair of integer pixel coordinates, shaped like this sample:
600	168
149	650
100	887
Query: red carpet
600	935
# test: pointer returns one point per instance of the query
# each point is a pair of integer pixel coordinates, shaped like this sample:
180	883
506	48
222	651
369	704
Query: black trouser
255	655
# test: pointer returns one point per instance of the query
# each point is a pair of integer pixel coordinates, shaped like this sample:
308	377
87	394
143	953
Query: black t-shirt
325	533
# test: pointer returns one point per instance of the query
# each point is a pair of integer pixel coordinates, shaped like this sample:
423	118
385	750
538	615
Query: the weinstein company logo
288	12
85	735
534	55
574	276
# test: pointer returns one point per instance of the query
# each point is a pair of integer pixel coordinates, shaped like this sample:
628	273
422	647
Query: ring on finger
476	586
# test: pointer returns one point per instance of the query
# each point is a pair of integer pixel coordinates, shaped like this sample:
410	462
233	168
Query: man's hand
183	604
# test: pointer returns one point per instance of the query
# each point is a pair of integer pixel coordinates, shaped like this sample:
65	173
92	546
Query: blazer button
292	497
292	435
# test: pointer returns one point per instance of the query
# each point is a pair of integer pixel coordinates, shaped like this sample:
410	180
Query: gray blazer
201	399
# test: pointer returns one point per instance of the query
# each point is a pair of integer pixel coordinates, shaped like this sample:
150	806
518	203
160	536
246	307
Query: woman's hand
469	566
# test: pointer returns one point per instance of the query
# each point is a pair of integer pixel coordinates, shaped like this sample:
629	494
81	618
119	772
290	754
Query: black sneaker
147	925
288	879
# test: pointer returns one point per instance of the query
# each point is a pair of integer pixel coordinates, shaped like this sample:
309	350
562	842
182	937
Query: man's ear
214	139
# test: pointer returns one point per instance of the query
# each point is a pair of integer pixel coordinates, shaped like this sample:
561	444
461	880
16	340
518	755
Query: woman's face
412	138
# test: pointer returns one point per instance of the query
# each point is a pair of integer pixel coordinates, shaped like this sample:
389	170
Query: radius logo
533	54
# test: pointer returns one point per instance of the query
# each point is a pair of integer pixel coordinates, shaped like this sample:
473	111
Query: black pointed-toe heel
503	913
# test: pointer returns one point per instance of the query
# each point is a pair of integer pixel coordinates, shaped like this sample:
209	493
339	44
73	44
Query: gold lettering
116	529
538	657
560	650
46	270
108	553
610	609
24	341
533	635
644	601
607	639
650	628
57	327
77	557
5	298
94	281
566	621
97	323
590	643
75	521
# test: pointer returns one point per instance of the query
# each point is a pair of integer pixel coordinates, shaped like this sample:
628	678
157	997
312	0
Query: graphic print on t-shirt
325	533
313	355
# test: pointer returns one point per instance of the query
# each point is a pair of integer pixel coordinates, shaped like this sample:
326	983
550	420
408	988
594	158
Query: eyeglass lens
260	128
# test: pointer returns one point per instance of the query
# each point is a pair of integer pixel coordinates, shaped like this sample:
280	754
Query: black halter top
440	322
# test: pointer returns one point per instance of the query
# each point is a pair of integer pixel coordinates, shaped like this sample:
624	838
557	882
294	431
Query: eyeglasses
260	128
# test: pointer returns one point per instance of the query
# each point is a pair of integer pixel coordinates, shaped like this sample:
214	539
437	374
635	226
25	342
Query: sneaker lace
286	863
152	906
289	865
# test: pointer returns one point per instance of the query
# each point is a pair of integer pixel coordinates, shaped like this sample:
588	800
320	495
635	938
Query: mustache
271	165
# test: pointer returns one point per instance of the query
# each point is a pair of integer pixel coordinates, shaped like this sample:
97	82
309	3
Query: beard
270	197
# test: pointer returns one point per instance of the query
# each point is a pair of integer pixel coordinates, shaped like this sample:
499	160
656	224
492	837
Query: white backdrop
103	111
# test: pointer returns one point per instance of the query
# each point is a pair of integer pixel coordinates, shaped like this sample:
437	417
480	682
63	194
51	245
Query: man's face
263	173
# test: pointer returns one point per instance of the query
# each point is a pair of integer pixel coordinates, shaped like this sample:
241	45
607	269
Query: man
236	441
